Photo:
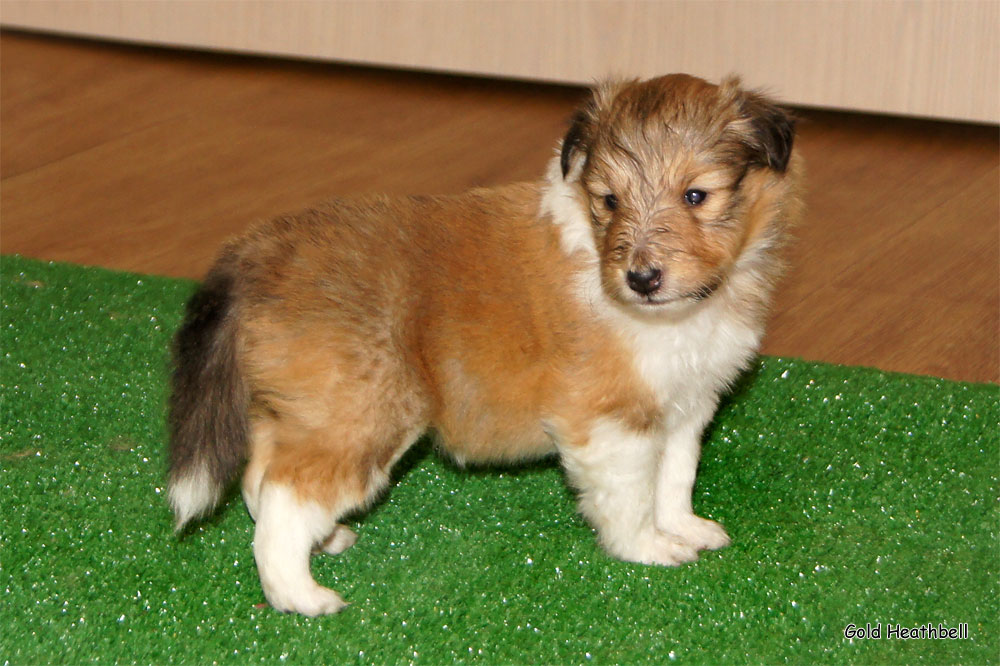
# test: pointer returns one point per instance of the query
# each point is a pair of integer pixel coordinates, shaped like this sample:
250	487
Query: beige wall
937	58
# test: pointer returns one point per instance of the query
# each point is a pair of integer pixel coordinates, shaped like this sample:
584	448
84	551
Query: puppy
597	315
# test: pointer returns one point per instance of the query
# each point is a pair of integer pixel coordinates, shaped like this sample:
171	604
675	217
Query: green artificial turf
852	496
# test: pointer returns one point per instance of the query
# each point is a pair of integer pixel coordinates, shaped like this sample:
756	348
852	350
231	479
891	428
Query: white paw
312	601
700	533
654	547
341	539
670	551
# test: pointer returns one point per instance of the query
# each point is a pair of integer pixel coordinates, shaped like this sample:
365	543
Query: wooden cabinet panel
935	58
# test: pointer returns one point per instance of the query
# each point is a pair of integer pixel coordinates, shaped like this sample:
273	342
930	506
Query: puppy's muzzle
644	281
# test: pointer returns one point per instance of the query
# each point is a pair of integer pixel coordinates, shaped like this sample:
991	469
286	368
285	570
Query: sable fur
323	344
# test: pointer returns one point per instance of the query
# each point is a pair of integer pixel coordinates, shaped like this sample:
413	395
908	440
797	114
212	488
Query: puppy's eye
610	202
695	197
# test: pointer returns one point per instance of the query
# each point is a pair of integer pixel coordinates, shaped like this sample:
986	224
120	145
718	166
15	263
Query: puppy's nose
644	281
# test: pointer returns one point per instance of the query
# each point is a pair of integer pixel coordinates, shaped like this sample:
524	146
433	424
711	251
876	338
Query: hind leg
307	487
342	538
261	452
288	526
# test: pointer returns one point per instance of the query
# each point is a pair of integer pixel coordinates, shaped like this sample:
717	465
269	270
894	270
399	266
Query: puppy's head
678	176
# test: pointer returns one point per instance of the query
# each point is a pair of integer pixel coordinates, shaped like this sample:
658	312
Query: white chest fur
694	358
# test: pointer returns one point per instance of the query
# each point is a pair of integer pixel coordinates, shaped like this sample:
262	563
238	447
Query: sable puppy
597	314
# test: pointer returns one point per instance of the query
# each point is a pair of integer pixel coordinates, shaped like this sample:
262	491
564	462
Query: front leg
675	482
615	471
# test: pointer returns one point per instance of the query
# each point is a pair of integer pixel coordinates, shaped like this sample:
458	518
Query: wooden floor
145	160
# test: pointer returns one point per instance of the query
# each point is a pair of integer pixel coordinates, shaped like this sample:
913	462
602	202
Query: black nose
644	281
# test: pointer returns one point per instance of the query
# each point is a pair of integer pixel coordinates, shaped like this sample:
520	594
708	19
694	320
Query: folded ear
585	121
578	137
772	131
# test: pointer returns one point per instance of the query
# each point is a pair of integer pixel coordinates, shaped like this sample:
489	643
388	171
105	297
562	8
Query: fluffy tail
209	430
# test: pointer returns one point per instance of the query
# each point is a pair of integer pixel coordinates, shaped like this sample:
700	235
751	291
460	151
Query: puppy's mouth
656	299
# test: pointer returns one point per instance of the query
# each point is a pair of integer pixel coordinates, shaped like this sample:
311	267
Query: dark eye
611	202
695	197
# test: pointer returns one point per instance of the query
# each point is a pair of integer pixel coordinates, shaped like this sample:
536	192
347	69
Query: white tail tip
192	495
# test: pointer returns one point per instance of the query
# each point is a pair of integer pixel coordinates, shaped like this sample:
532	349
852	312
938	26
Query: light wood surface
937	58
145	159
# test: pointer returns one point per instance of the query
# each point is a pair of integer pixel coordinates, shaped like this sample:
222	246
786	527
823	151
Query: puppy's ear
768	130
586	120
575	140
773	131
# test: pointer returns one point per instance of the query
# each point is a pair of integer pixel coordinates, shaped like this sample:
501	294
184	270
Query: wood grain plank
55	104
921	335
870	177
